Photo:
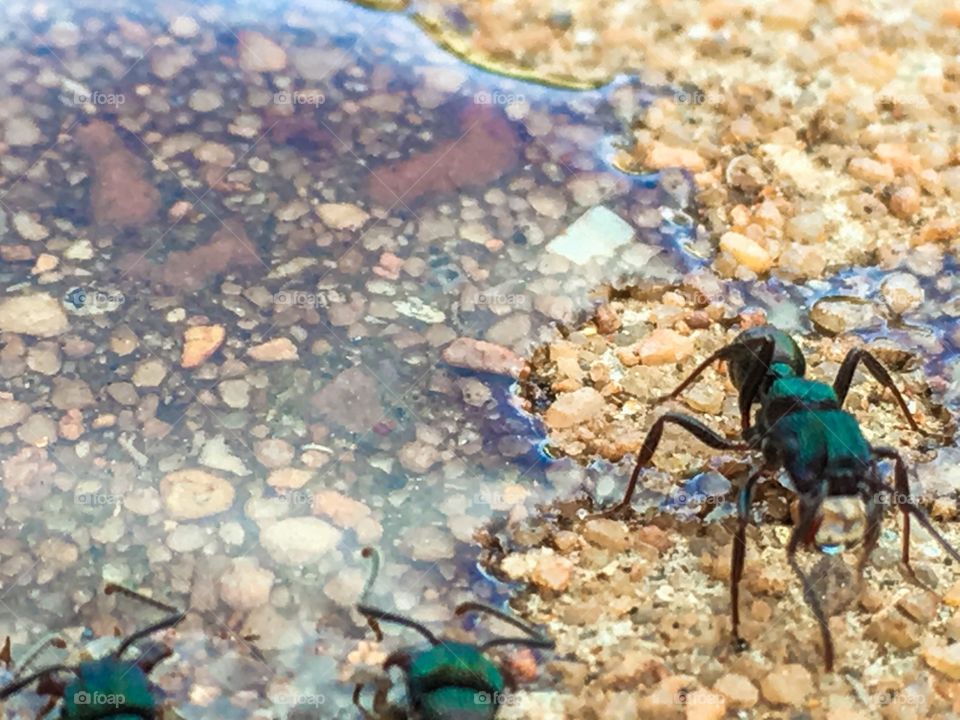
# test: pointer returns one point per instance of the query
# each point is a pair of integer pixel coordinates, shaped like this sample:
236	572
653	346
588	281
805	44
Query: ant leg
358	688
841	385
693	426
535	639
809	510
875	511
901	497
901	492
740	554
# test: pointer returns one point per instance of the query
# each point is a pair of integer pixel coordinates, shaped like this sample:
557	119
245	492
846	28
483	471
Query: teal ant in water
108	687
447	680
801	427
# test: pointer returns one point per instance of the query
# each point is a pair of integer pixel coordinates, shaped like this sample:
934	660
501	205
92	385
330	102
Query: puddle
345	199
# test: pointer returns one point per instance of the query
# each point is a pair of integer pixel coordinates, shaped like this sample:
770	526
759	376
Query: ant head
744	356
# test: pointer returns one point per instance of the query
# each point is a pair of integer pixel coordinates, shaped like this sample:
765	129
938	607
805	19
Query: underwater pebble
259	53
836	315
595	234
901	292
28	228
289	478
149	373
276	350
39	315
483	356
12	412
193	494
245	585
342	216
299	540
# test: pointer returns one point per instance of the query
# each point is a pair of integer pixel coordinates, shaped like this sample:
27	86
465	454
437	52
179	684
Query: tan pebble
193	494
258	53
655	537
787	685
919	605
944	659
565	540
661	156
705	705
607	533
607	320
664	346
289	478
245	585
746	252
484	356
344	511
574	408
937	230
952	598
45	262
200	342
552	572
870	171
741	694
628	355
892	628
905	202
342	216
276	350
944	509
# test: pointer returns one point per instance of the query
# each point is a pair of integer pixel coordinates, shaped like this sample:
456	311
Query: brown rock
664	346
944	659
200	342
259	53
486	148
738	690
787	685
193	494
120	194
483	356
276	350
351	400
574	408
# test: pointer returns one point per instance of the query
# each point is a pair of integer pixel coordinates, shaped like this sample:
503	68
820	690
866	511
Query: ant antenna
375	616
535	639
37	648
20	684
174	618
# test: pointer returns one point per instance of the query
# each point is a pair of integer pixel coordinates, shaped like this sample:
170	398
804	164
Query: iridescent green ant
447	680
800	426
108	687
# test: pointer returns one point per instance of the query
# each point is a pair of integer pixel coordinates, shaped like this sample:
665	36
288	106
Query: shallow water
458	179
